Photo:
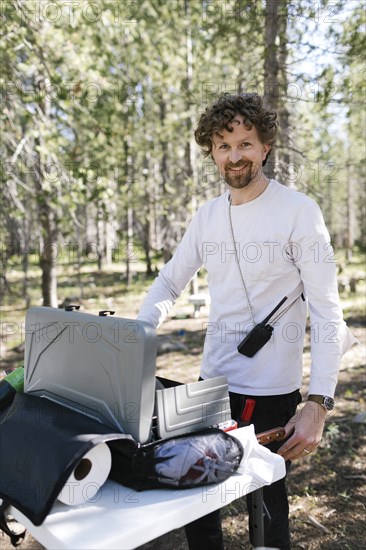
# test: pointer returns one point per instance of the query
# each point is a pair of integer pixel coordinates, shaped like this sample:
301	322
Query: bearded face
241	174
239	154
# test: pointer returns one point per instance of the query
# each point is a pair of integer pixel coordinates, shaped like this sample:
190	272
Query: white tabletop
121	518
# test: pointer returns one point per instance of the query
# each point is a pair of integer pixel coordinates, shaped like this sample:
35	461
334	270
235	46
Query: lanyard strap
238	264
295	294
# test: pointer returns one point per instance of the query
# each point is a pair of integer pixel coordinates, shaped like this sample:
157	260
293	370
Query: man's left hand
306	429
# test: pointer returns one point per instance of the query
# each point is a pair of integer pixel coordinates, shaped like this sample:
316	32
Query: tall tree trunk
49	245
79	259
108	246
349	240
157	229
129	217
167	249
270	95
104	244
129	245
99	235
190	156
149	216
47	217
146	244
275	78
329	215
25	260
48	258
284	171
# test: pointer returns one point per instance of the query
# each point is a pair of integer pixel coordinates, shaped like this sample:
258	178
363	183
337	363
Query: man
260	242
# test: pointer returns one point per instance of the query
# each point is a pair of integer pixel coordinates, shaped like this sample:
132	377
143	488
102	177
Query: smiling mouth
236	168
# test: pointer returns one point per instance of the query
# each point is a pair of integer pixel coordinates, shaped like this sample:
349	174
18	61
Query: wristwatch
324	400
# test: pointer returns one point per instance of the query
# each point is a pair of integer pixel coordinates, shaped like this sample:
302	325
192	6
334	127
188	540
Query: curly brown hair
220	115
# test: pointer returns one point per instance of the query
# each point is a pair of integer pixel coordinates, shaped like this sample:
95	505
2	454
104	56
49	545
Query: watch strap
326	402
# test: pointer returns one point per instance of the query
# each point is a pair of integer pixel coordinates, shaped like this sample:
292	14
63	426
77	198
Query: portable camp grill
104	367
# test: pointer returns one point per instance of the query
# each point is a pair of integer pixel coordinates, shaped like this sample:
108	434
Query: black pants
270	412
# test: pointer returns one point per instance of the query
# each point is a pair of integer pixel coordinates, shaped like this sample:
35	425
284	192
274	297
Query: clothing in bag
199	458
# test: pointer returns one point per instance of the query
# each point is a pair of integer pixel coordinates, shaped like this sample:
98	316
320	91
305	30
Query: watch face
328	403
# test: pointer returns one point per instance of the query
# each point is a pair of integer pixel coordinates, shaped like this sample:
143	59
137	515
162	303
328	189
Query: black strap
15	538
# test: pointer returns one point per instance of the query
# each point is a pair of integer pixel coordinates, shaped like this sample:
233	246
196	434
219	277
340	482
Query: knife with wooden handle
276	434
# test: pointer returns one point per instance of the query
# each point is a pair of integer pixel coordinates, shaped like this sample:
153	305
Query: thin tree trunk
283	172
100	240
167	252
129	217
190	156
270	95
330	223
48	252
157	232
146	243
129	246
79	261
47	218
275	78
350	217
48	260
25	254
107	229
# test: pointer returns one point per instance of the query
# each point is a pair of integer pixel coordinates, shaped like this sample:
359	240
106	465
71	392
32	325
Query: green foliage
100	102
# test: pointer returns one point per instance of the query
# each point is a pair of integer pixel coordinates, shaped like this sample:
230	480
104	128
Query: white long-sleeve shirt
281	240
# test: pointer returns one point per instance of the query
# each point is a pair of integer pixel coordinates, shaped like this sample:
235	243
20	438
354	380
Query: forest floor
327	490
